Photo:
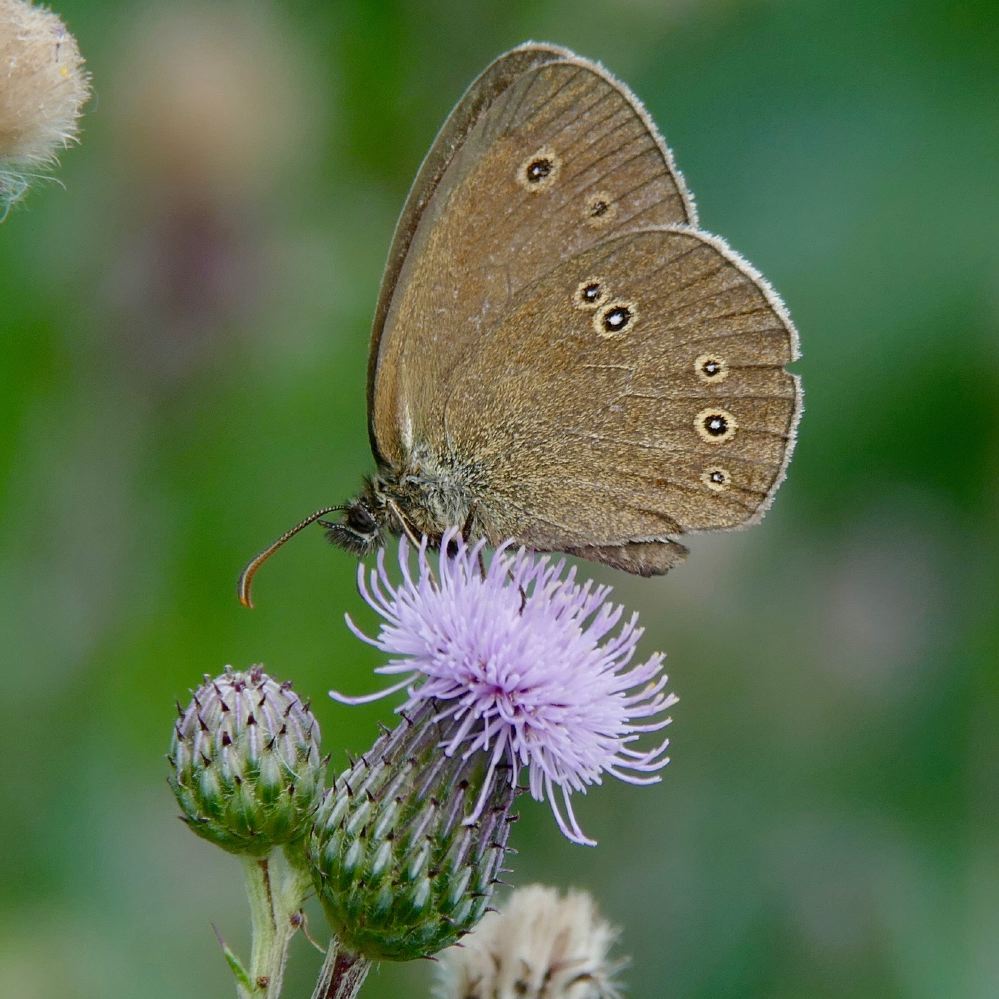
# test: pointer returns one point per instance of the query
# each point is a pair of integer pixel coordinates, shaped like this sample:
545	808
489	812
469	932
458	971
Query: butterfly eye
600	209
538	172
715	425
716	479
360	519
590	294
613	319
711	368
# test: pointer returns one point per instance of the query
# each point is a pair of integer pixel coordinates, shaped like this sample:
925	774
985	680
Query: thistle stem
343	973
258	891
276	887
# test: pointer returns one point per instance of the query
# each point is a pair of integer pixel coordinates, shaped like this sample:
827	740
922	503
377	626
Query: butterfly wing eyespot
590	293
716	478
711	369
600	210
615	319
716	425
540	170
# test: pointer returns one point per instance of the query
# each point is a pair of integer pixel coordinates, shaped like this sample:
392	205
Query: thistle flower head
540	945
245	762
534	668
42	89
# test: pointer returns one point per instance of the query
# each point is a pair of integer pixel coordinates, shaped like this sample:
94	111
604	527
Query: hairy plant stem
343	973
276	886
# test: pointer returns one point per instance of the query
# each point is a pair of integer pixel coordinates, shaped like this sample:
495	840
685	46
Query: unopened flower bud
540	946
408	844
246	766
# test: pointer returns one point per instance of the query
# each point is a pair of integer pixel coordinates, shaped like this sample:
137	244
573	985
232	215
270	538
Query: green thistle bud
408	844
246	767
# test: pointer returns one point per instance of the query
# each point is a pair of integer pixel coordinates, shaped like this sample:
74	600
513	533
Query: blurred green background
184	334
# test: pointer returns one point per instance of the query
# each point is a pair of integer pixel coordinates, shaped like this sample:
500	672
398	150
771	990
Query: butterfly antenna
246	576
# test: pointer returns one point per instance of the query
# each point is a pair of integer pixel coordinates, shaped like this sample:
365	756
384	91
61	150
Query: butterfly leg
466	534
402	520
466	530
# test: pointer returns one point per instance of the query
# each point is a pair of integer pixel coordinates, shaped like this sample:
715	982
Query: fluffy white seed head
543	945
43	84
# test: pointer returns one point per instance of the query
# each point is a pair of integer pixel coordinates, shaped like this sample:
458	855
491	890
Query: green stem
258	891
276	887
343	974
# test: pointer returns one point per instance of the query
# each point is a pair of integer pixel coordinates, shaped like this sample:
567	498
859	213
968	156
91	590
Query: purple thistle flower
521	657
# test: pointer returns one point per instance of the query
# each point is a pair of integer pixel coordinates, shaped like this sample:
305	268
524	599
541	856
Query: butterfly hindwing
637	392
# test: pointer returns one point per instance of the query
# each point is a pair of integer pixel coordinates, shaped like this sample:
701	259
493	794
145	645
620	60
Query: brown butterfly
559	355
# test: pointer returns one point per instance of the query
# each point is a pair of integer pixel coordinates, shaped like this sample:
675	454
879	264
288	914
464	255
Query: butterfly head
361	529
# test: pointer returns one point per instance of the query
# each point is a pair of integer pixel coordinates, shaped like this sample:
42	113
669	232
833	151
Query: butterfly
559	354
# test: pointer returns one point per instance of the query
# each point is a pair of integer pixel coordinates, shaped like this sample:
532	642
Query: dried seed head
409	842
246	766
43	86
540	946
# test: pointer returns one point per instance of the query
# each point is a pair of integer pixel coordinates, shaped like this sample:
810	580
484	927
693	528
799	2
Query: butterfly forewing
637	391
492	82
546	157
